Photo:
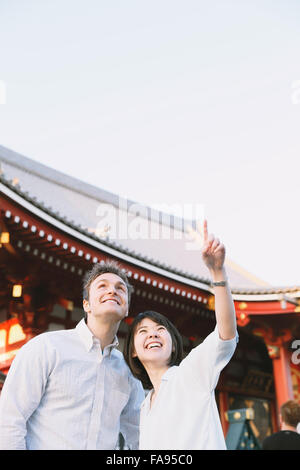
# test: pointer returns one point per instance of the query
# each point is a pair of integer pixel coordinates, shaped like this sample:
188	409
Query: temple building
53	227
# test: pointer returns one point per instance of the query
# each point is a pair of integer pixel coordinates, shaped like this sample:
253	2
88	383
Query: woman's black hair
134	363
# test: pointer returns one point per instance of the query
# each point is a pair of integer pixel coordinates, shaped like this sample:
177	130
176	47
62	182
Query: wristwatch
218	283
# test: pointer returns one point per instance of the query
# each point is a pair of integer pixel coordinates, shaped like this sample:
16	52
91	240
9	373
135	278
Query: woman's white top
184	415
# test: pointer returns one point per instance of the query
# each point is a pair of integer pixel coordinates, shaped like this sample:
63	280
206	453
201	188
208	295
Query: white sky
167	101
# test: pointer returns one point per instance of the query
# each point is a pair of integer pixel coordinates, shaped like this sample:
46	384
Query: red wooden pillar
281	359
282	375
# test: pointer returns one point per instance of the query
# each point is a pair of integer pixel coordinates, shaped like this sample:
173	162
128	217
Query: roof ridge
86	189
40	169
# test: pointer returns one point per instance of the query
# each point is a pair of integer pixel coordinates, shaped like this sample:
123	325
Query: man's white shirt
63	392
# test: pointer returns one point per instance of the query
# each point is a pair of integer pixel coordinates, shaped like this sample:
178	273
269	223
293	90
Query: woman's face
152	343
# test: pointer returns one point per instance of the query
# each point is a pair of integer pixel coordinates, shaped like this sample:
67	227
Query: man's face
108	298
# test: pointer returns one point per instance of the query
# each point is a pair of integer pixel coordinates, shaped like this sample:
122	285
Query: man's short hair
102	268
290	413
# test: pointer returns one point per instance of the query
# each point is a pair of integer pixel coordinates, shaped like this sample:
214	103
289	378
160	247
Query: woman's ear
134	354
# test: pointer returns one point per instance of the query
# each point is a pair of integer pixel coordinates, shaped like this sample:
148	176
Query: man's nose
111	288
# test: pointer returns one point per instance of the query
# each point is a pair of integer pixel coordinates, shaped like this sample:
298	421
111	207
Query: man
71	389
287	438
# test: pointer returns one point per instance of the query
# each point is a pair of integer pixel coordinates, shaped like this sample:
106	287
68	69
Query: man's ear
86	306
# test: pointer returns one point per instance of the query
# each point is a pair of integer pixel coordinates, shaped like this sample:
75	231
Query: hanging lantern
17	290
4	237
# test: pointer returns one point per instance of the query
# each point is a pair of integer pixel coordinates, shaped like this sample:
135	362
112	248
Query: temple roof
91	210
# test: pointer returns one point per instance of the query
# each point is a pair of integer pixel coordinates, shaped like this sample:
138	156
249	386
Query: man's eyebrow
118	282
122	283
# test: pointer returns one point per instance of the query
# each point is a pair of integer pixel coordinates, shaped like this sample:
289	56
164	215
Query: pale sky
167	101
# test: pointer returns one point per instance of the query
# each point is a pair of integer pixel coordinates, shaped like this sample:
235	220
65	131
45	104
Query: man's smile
110	299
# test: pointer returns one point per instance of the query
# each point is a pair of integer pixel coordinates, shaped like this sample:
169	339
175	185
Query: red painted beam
140	275
269	307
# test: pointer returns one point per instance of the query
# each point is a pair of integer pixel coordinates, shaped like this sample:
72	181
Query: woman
180	411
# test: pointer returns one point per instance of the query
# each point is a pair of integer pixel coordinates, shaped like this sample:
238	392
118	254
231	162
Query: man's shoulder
120	360
271	441
281	438
273	436
118	355
290	435
123	366
48	338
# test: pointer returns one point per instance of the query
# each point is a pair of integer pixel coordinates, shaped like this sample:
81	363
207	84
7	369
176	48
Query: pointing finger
205	231
208	243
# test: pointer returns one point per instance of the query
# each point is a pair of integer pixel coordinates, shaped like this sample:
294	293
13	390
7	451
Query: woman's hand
213	251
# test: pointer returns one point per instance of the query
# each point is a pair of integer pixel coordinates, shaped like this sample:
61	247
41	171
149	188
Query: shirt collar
165	378
88	338
169	373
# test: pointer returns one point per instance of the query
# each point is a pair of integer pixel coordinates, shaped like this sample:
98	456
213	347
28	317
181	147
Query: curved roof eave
37	208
